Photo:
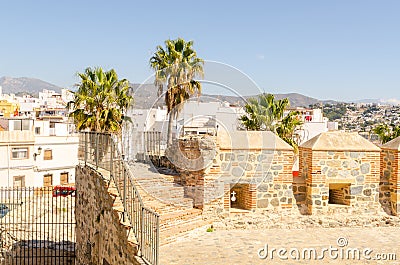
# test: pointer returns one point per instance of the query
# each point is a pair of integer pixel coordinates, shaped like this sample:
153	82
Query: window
47	180
19	181
21	125
48	154
64	178
19	153
37	130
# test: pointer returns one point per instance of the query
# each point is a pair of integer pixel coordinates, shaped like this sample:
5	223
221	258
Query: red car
64	191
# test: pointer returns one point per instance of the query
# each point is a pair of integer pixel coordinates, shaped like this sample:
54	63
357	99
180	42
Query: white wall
64	157
312	129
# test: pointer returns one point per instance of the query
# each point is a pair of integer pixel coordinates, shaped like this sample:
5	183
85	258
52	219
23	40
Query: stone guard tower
340	170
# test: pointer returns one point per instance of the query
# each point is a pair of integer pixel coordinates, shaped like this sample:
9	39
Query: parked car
3	210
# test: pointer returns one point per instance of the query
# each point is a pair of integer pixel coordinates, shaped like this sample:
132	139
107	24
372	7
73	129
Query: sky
338	49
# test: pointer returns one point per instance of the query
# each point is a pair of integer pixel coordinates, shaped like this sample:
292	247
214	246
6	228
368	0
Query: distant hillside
25	85
391	101
146	95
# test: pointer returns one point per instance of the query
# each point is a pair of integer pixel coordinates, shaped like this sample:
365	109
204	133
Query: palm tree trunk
170	123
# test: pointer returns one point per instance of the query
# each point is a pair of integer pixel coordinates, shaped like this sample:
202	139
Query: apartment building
37	153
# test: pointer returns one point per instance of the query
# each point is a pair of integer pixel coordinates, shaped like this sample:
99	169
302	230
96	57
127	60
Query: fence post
159	149
111	157
97	150
142	230
124	189
86	145
157	240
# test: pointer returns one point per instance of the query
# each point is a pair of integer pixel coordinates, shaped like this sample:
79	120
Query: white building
143	120
314	123
34	154
208	118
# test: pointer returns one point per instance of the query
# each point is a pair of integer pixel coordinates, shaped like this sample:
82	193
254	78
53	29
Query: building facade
34	155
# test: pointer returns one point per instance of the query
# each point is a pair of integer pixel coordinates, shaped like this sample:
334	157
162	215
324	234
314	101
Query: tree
267	114
386	132
176	65
286	129
101	101
263	113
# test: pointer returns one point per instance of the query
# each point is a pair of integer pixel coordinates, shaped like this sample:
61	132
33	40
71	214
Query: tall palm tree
101	101
177	66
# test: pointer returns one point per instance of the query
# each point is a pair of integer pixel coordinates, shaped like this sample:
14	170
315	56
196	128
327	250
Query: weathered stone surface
97	222
262	188
356	190
300	197
333	163
365	168
360	178
332	173
237	172
246	166
229	157
367	192
263	203
276	167
241	157
275	202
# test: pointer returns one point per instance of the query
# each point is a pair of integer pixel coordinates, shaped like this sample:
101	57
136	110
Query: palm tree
176	65
265	113
286	129
386	132
101	101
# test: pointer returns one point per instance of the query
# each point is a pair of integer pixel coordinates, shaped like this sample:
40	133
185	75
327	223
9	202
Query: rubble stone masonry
259	174
390	177
340	169
100	237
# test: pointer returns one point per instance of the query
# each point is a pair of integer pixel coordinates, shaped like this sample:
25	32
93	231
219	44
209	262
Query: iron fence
103	151
36	227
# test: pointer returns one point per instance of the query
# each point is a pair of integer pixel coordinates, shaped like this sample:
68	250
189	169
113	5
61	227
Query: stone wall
210	171
390	181
100	236
269	170
360	170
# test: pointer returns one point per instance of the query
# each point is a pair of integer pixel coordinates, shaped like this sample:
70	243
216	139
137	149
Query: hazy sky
338	49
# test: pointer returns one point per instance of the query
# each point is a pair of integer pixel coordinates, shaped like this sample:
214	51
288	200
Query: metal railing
152	142
37	226
103	151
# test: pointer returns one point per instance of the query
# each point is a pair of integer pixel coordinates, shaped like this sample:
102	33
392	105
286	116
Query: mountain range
26	85
145	95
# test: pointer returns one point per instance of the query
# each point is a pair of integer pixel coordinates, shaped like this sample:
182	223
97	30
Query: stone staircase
159	186
159	193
